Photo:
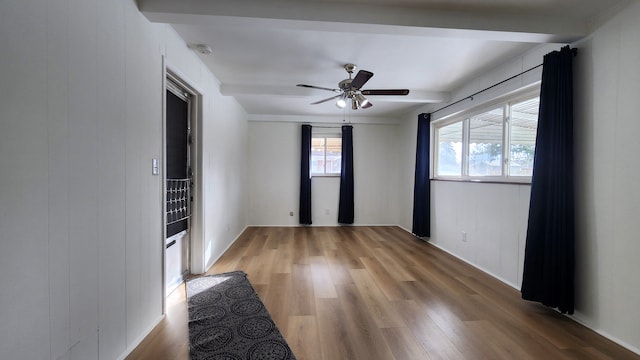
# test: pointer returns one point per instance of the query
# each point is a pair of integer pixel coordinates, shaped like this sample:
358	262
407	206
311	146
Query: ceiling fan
349	90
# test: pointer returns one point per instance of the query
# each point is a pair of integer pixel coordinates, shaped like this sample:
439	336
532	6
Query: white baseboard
144	334
210	265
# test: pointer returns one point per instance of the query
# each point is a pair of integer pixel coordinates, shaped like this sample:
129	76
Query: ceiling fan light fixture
341	103
354	104
362	101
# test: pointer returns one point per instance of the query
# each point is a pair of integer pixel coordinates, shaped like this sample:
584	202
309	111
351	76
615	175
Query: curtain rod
574	51
470	97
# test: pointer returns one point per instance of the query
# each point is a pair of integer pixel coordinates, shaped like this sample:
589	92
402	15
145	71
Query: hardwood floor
379	293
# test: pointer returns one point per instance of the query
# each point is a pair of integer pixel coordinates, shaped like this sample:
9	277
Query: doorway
179	184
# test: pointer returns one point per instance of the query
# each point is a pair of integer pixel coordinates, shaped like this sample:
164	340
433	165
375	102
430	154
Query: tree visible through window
449	161
524	127
326	155
485	143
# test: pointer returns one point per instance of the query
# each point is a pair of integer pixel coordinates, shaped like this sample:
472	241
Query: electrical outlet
464	237
327	212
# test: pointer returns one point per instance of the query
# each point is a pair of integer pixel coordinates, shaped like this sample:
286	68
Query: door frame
196	263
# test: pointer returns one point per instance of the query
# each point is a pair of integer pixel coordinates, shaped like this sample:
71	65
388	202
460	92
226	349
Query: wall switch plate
155	167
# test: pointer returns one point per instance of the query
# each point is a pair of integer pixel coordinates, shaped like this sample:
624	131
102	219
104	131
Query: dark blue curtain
549	253
305	176
421	188
345	206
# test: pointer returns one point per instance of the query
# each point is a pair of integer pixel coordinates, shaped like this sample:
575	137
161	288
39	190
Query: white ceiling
263	48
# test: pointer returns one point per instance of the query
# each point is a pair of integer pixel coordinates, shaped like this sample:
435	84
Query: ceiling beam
369	18
415	96
323	119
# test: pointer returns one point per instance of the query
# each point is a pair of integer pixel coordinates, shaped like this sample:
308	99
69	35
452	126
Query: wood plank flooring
379	293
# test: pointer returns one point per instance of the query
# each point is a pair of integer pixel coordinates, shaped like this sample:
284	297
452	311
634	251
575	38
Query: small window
326	155
495	142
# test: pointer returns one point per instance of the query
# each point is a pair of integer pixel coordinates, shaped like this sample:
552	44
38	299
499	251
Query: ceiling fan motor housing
345	85
350	68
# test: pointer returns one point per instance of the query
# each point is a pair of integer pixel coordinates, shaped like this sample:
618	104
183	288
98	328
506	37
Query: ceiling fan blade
367	105
325	100
361	78
318	87
386	92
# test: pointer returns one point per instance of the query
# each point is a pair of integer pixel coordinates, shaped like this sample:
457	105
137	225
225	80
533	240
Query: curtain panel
346	202
422	187
548	275
305	176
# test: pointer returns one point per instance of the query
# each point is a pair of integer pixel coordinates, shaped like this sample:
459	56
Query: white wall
274	176
406	160
80	215
607	85
225	154
494	218
273	173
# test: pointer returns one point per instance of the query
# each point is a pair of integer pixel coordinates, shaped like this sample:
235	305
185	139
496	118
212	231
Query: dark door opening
178	185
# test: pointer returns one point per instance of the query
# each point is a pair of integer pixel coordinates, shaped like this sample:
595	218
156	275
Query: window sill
526	181
325	175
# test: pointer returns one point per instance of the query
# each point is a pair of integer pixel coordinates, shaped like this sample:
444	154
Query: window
524	126
485	143
495	142
326	155
450	150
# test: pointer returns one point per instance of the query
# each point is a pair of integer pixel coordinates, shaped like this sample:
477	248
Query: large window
495	142
326	155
